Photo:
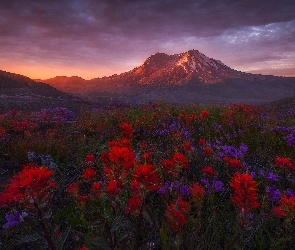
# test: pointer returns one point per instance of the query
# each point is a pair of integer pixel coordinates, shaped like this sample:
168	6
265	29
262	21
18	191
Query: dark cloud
116	33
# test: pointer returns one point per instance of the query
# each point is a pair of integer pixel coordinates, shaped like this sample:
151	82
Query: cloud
122	33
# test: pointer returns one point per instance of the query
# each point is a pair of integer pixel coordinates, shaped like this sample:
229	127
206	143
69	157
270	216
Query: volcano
188	77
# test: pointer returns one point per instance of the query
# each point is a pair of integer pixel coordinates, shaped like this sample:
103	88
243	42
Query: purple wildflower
217	186
14	219
274	194
290	193
272	177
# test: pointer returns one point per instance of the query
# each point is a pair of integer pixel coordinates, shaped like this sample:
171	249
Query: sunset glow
43	39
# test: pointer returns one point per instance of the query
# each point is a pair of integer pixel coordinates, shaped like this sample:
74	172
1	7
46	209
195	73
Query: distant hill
22	93
189	77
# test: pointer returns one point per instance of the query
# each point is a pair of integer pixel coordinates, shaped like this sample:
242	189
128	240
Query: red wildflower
175	214
147	176
204	113
88	174
90	158
286	208
83	248
122	156
126	130
187	146
208	152
83	199
114	187
197	192
245	194
134	204
180	160
202	142
208	171
32	182
233	163
284	163
74	188
96	187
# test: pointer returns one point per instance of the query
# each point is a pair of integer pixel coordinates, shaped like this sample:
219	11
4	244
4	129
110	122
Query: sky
95	38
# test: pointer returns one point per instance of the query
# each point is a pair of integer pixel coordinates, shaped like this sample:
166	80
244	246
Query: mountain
189	77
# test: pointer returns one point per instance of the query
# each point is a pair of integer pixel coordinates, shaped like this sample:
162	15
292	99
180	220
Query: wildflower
147	176
274	194
32	182
245	192
122	156
233	163
89	158
197	191
217	186
114	187
201	142
96	187
133	206
74	188
208	171
208	152
126	130
176	164
284	163
286	208
188	146
14	219
175	214
204	114
88	174
83	199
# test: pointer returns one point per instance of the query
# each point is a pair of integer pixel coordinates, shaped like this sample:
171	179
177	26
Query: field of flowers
148	177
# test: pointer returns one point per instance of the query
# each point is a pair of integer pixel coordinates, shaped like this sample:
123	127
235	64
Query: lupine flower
245	192
14	219
178	188
274	194
32	182
290	193
217	186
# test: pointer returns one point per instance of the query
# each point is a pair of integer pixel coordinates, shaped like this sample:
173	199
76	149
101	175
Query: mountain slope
189	77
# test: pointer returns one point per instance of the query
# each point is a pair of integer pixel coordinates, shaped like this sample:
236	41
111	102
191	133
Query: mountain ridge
188	77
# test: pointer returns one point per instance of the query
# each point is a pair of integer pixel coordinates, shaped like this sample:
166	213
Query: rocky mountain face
189	77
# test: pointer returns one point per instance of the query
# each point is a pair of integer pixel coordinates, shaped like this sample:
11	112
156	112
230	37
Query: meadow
148	177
